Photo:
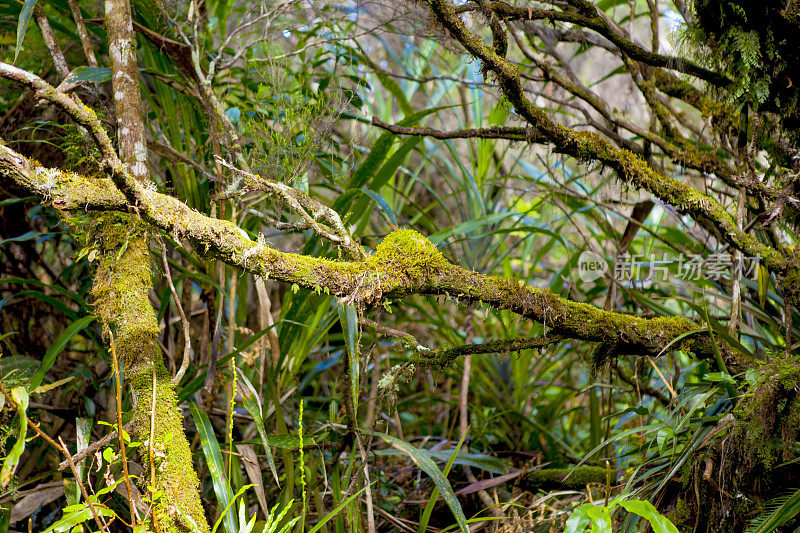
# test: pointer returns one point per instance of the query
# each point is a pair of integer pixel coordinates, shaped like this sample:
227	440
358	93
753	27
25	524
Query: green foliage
497	207
288	124
777	512
430	468
597	519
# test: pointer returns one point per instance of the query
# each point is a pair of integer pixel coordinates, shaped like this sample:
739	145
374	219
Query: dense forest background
414	266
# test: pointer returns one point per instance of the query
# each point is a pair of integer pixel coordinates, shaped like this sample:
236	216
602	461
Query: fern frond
777	512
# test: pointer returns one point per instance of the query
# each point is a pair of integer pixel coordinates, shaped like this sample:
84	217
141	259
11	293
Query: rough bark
122	285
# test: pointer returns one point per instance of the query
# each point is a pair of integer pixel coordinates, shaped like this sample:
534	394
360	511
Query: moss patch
121	292
578	479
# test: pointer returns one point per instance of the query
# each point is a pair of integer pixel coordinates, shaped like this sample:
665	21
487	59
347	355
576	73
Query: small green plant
598	518
288	126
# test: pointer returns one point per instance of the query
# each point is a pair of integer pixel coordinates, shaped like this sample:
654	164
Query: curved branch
590	18
587	146
405	263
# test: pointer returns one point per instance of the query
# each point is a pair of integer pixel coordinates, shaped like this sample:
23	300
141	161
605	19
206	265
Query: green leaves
215	465
599	517
91	74
430	468
252	403
57	347
645	509
426	514
349	319
22	26
777	512
20	396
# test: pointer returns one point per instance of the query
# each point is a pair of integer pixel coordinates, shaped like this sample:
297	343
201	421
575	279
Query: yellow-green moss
406	256
121	292
578	477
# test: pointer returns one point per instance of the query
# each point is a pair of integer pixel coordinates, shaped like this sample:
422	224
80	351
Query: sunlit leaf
252	403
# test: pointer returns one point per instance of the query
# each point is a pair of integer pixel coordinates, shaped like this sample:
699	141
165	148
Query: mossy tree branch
122	285
588	16
588	146
405	263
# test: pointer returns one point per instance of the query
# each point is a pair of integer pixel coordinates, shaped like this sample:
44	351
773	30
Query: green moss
769	418
406	255
121	293
681	516
578	478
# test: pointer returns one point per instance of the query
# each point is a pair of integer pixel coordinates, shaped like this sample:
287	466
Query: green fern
777	512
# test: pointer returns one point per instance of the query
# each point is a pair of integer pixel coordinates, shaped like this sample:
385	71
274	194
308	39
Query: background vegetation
308	410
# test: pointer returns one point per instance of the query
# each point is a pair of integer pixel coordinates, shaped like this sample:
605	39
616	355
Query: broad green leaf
29	236
426	514
349	319
289	441
430	468
50	386
763	284
12	201
22	26
215	465
578	521
20	396
92	74
252	403
647	510
74	518
56	348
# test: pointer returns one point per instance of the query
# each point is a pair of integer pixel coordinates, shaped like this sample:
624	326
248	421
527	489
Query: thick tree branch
404	263
591	146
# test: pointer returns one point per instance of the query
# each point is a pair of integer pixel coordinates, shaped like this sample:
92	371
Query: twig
187	345
123	454
86	42
150	451
99	443
50	42
80	484
301	203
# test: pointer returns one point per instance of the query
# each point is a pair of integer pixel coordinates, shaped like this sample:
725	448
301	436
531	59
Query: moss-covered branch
587	146
404	263
590	17
121	290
